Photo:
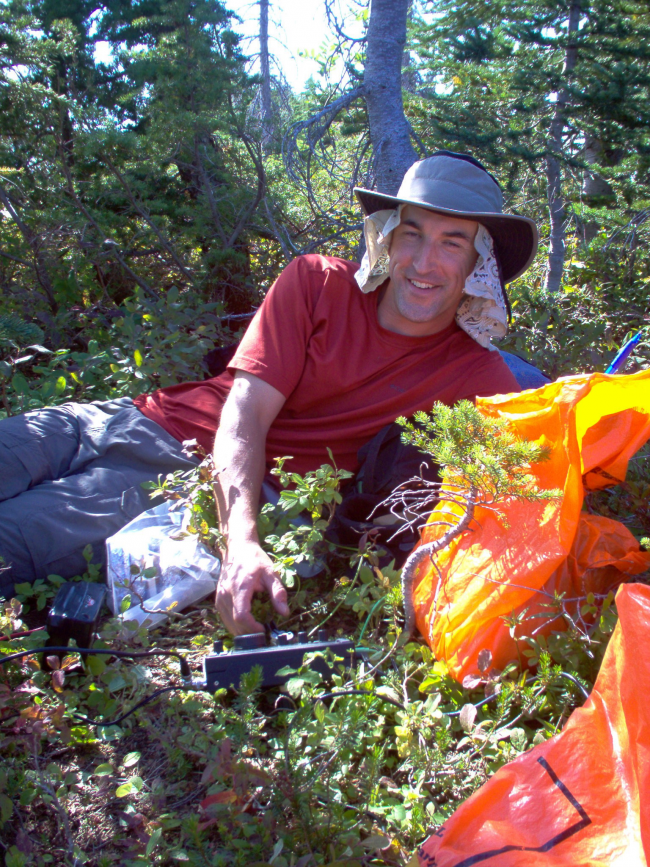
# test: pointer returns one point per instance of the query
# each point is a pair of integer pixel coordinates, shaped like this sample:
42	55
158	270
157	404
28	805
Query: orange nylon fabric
593	424
581	798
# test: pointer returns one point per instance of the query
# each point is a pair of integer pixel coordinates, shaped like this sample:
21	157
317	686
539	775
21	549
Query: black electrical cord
488	698
399	705
575	681
171	688
186	673
119	719
316	698
126	654
92	651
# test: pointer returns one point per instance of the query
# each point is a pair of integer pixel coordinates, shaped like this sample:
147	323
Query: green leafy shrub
15	332
151	344
358	770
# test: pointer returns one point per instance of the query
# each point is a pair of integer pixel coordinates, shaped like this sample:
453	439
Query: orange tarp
582	799
593	424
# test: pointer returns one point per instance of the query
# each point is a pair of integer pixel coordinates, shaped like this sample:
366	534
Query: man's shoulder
317	277
318	264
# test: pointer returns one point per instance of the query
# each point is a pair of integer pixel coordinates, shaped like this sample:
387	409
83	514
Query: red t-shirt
317	340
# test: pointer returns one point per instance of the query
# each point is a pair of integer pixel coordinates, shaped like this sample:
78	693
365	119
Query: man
332	356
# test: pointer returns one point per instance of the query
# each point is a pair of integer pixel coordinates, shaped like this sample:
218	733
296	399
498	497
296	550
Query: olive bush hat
458	185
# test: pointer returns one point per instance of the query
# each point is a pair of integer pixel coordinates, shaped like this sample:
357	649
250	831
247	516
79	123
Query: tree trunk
267	108
556	203
382	82
595	189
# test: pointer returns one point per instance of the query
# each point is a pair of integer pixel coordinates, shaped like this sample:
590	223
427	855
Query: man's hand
247	571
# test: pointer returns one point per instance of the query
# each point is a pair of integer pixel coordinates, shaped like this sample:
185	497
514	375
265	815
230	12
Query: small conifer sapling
483	462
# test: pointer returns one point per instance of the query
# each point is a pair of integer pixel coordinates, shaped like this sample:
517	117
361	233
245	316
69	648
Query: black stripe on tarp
575	803
554	841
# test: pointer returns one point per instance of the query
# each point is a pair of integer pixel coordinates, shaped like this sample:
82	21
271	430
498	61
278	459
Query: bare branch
337	27
255	153
415	560
316	127
33	240
147	217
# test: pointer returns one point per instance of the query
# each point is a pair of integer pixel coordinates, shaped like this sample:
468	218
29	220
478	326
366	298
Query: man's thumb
279	597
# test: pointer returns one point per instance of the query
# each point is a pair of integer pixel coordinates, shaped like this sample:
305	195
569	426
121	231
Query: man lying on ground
334	353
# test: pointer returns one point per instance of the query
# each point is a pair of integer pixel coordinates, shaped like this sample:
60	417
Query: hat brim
515	237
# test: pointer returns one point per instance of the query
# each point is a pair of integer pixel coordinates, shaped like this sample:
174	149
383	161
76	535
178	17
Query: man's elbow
251	407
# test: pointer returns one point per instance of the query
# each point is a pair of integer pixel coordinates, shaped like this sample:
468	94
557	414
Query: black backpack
386	462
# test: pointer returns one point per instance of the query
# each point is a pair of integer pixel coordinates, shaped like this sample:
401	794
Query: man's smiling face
431	256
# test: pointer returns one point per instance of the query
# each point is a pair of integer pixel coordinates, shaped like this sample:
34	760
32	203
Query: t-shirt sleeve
492	377
274	346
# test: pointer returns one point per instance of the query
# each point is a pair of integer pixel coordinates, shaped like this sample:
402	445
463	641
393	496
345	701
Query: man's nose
427	258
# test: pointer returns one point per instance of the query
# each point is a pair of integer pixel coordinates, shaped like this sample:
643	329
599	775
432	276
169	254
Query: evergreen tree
140	171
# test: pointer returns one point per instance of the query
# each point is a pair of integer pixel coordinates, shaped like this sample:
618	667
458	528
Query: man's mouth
419	285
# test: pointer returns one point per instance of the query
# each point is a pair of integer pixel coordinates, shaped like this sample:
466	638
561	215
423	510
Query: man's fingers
238	582
223	603
243	621
246	625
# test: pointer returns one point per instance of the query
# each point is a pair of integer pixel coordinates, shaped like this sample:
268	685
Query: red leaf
484	659
229	796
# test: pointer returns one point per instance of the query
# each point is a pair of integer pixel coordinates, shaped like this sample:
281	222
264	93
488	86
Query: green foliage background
123	182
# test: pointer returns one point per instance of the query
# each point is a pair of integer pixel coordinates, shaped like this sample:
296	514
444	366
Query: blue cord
372	611
618	364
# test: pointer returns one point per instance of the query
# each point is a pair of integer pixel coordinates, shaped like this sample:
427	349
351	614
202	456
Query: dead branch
336	26
315	127
417	557
255	153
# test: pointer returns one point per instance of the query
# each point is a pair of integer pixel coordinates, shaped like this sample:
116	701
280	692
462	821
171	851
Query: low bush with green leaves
141	345
357	771
581	329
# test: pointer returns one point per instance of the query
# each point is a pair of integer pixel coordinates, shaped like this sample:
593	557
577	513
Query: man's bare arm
239	457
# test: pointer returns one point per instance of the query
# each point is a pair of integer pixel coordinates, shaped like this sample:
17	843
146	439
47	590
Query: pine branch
484	463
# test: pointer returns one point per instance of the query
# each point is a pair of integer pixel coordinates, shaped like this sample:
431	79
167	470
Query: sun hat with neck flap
458	185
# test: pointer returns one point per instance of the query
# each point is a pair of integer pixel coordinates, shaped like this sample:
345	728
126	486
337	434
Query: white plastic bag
185	571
